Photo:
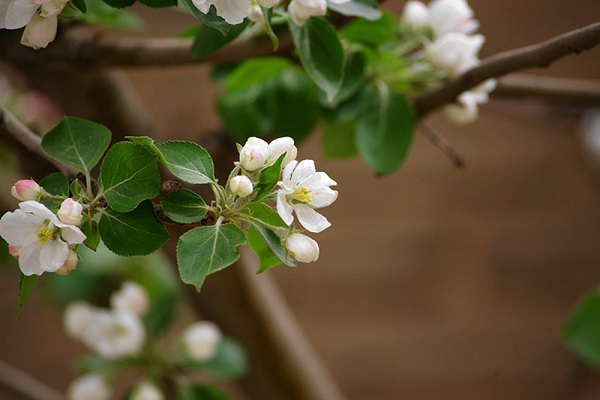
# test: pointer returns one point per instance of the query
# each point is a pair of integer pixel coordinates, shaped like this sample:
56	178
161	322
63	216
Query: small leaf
100	13
26	285
148	143
80	4
76	189
273	242
188	161
268	179
189	391
159	3
208	39
355	9
129	174
321	52
228	363
56	184
354	78
184	206
266	258
385	130
89	227
207	249
582	331
77	143
373	33
338	139
135	233
119	3
211	18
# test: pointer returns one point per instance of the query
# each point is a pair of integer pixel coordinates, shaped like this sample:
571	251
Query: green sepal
268	179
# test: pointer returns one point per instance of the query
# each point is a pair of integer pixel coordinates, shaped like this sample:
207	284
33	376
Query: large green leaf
211	18
385	130
582	332
184	206
135	233
339	139
188	161
119	3
190	391
321	52
207	249
208	39
77	143
56	184
255	72
129	174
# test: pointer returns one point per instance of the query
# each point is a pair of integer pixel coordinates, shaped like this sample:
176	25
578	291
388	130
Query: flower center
301	195
45	233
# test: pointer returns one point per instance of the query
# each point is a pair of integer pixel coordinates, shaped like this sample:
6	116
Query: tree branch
538	55
23	384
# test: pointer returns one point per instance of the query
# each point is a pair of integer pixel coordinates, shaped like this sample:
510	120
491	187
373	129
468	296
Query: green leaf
56	184
355	9
255	72
135	233
159	3
129	174
228	363
268	179
207	249
188	161
266	258
77	143
148	143
119	3
321	52
99	13
211	19
273	242
373	33
385	130
189	391
354	78
184	206
89	227
339	139
208	39
26	285
80	4
582	331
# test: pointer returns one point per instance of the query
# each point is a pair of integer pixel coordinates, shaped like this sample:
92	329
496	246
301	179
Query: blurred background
433	282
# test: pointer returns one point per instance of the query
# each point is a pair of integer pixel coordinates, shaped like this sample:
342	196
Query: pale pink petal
284	209
232	11
19	228
19	13
38	209
40	32
30	261
53	255
286	175
72	234
311	220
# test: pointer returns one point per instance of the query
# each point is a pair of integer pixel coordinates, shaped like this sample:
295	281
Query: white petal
268	3
304	170
286	175
19	13
72	234
38	209
53	255
202	5
30	261
40	32
284	209
232	11
311	220
19	228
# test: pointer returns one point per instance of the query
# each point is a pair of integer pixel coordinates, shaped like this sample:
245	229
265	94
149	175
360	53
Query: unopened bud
70	212
89	387
201	340
254	154
415	14
147	391
280	146
70	263
26	189
302	248
13	251
241	186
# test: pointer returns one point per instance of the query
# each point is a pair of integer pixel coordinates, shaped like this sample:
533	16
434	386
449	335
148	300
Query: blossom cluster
300	191
119	332
447	31
39	239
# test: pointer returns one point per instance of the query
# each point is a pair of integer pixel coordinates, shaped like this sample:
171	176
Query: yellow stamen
45	234
301	195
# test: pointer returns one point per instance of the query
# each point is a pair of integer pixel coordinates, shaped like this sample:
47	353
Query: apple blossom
131	298
89	387
147	391
201	340
455	52
254	154
302	189
465	110
13	251
280	146
77	318
26	189
301	10
42	239
451	16
302	248
70	212
232	11
70	263
241	186
114	334
415	14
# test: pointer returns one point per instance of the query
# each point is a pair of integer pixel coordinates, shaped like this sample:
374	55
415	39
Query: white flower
147	391
70	212
301	10
132	298
26	189
232	11
201	340
254	154
89	387
302	189
455	52
115	334
42	239
302	248
465	110
280	146
415	14
241	186
451	16
77	319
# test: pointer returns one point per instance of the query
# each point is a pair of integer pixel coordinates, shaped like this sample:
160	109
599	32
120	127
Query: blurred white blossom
201	340
89	387
132	297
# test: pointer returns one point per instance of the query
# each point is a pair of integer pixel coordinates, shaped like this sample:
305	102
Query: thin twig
567	91
15	129
537	55
443	144
23	384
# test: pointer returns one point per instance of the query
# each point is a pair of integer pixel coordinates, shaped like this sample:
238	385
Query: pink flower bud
13	251
26	189
70	212
241	185
70	263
